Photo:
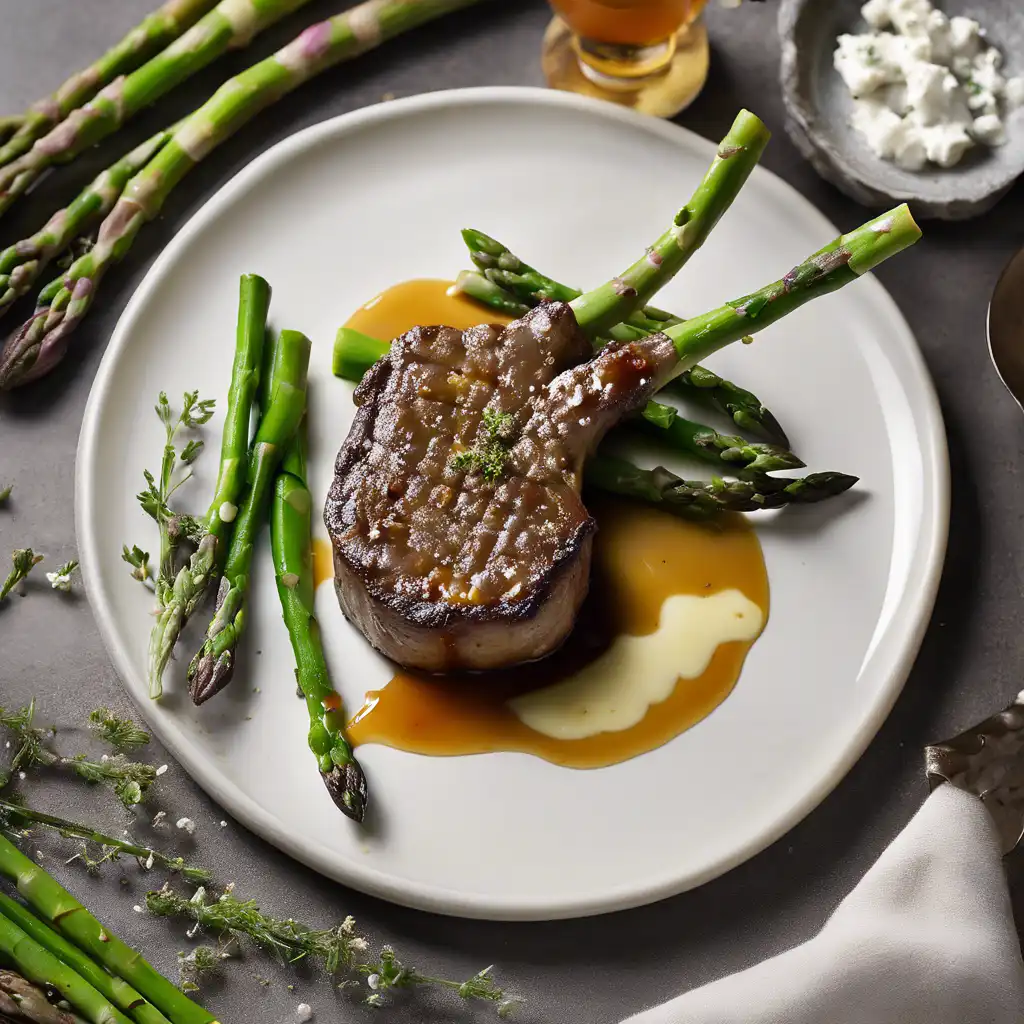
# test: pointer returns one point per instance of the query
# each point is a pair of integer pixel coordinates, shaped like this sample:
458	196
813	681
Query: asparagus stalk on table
205	565
355	353
232	23
155	32
507	275
21	1002
22	263
72	920
39	344
292	547
40	966
9	125
114	989
212	667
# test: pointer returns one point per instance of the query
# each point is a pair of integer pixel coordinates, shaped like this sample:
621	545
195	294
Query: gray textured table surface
594	971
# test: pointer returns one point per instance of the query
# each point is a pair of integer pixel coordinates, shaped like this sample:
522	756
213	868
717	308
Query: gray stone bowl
818	109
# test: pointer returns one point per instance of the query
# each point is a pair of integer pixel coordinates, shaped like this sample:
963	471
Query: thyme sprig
174	527
24	560
333	949
128	779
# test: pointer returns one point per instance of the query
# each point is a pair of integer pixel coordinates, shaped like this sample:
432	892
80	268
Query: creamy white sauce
926	87
615	691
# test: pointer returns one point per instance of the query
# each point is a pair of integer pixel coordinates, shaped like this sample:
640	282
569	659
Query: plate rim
438	899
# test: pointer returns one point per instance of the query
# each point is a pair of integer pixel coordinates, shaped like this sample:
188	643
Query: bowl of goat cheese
918	101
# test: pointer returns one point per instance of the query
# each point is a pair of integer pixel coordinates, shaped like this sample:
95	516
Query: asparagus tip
347	787
208	675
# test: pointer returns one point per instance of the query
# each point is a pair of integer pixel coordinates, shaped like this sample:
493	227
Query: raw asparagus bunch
39	344
193	580
116	992
149	37
355	353
22	263
21	1002
510	276
70	919
232	23
213	666
292	545
36	963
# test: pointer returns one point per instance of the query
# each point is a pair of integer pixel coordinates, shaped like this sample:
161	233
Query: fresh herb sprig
490	453
60	579
128	779
155	498
121	733
24	561
333	949
98	848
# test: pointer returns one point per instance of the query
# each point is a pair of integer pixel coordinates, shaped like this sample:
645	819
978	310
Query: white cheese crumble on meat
926	87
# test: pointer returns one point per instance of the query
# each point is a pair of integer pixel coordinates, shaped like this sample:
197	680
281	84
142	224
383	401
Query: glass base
663	94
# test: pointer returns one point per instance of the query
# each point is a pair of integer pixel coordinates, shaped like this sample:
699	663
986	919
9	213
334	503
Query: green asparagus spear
730	453
231	24
702	500
21	1002
57	906
212	667
40	343
149	37
292	546
205	565
9	125
112	988
22	263
600	310
485	291
842	261
508	276
39	965
355	353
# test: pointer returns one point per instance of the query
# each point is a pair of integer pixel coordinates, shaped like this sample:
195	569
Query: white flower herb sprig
174	527
334	949
61	579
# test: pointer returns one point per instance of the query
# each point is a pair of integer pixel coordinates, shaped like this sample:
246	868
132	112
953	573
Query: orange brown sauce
642	556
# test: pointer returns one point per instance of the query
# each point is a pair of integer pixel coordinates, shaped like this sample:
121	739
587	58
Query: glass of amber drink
648	54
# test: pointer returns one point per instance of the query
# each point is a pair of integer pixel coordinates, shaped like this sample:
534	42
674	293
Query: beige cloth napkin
927	937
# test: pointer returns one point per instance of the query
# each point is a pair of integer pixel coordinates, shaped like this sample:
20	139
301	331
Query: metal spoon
1006	327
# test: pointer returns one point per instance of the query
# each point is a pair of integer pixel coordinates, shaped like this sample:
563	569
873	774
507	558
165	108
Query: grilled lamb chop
446	563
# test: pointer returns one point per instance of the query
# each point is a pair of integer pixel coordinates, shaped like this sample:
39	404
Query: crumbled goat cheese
186	824
926	87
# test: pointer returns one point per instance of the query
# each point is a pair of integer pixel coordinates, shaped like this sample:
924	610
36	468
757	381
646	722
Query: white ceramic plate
339	212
